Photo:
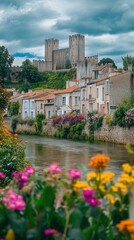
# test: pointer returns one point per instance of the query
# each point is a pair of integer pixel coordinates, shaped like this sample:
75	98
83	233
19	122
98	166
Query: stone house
28	102
45	105
67	100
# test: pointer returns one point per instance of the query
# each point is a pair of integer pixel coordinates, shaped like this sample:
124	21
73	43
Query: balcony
91	98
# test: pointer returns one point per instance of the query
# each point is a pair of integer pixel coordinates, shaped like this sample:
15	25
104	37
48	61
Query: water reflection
41	151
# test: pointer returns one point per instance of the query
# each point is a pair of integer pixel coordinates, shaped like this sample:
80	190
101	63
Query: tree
4	96
127	61
5	64
107	60
29	72
13	108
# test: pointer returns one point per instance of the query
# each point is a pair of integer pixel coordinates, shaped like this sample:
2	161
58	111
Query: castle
73	56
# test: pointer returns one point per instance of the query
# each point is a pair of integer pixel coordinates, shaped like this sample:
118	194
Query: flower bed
61	205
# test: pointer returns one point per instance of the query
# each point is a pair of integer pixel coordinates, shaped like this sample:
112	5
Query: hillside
55	80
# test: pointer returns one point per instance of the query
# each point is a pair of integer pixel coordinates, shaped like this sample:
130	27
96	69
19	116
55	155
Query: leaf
76	218
75	234
32	234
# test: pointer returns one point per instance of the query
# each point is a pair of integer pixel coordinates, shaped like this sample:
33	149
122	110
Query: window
97	92
31	114
76	100
25	104
63	101
41	105
32	104
83	94
102	93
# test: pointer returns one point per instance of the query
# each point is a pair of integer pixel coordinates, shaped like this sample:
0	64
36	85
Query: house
28	102
67	100
45	104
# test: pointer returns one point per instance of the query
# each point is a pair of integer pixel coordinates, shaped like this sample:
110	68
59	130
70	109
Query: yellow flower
80	185
127	168
99	161
10	235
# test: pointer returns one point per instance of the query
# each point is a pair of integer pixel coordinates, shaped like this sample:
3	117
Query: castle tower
50	45
77	48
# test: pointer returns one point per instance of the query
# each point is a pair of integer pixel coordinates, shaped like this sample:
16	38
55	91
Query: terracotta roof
99	68
45	97
37	93
67	90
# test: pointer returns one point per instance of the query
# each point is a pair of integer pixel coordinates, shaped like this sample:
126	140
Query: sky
108	26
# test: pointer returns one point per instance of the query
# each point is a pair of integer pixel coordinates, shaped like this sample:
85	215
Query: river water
41	151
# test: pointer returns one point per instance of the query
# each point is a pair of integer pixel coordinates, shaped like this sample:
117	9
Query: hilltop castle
73	56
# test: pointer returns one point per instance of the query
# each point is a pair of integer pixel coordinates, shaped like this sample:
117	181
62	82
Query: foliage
129	118
70	126
29	72
13	108
61	206
122	116
108	119
94	122
11	153
107	60
127	61
14	124
39	123
5	64
4	96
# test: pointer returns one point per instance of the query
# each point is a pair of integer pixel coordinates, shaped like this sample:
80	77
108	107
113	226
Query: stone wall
115	134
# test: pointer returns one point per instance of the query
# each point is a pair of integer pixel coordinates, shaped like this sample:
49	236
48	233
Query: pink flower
13	201
90	198
50	231
74	173
54	168
29	170
2	175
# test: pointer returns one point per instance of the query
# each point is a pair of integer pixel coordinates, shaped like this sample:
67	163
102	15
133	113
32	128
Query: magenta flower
54	168
90	198
2	175
29	170
74	174
50	231
13	201
21	178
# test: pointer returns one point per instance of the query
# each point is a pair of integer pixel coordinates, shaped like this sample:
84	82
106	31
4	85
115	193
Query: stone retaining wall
108	134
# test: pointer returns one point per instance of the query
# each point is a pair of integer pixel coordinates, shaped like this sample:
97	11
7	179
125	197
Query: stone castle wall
60	58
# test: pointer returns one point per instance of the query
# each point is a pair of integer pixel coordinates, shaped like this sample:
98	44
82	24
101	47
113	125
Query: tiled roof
67	90
37	93
99	68
45	97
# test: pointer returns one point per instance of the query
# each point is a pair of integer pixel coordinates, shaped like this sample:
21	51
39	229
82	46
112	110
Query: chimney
130	67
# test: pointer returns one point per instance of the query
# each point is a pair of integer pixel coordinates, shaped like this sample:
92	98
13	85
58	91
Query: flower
2	175
13	201
29	170
99	161
74	173
53	168
90	198
126	225
50	231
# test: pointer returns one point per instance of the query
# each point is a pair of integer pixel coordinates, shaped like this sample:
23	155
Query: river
41	151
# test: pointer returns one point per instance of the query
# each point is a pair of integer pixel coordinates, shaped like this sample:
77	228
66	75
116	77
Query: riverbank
114	134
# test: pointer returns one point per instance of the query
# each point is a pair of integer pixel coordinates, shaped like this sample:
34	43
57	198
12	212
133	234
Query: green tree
103	61
29	72
127	61
13	108
39	122
4	96
5	64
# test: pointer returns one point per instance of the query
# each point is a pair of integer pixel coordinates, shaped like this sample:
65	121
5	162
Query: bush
120	115
11	153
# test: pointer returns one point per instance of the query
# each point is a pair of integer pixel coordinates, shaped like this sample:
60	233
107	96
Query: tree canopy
103	61
127	61
29	72
5	63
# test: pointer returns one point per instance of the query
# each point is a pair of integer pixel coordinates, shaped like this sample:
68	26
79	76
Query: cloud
107	26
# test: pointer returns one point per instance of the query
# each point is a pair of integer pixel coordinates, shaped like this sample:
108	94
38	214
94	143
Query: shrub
11	153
